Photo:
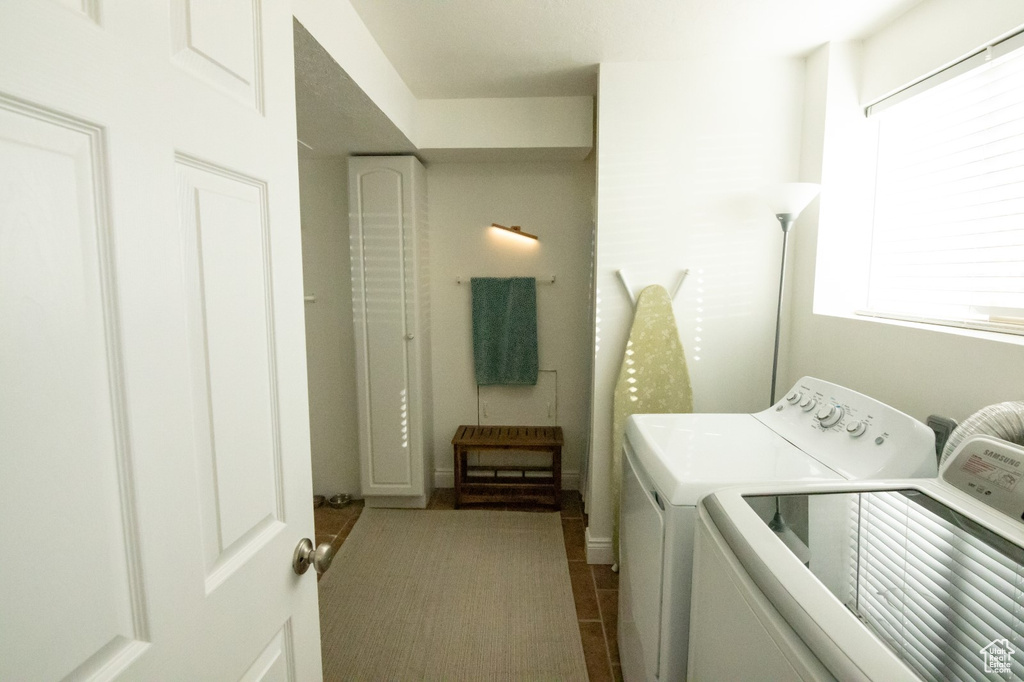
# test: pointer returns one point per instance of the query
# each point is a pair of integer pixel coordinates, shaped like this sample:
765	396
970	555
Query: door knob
305	555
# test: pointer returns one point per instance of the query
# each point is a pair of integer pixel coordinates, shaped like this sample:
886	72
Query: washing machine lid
901	580
688	455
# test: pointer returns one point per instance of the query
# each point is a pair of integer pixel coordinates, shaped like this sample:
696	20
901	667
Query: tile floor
595	588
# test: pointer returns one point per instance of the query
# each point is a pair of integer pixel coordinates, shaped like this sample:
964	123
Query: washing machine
900	580
818	431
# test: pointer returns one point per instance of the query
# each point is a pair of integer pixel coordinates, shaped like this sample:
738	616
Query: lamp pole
786	220
787	201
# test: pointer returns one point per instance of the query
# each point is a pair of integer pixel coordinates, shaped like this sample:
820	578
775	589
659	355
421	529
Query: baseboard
599	550
570	480
395	501
446	479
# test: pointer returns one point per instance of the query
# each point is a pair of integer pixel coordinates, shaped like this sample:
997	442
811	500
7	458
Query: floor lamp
786	201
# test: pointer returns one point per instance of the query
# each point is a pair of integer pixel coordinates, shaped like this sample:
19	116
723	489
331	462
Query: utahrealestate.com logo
998	656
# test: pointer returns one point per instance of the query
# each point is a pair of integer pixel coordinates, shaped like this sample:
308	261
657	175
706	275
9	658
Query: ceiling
544	48
549	48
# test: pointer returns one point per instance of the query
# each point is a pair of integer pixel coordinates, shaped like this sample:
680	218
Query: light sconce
516	230
786	202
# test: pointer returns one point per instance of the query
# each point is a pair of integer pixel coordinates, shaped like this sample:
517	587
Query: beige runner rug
450	595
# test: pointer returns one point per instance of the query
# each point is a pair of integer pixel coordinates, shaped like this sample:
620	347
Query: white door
154	455
387	228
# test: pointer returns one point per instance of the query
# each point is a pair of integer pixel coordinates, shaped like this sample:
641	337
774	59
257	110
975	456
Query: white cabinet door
385	223
641	556
154	456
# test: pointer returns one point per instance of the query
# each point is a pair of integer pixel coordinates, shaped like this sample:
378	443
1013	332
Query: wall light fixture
516	230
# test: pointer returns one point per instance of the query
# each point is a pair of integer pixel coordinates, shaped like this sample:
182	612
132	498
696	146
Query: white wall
930	36
553	201
919	370
683	150
551	125
323	185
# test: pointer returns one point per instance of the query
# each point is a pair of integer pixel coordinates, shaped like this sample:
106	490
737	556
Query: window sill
984	326
1013	339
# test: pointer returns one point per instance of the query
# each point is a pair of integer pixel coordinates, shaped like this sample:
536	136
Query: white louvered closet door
154	442
388	233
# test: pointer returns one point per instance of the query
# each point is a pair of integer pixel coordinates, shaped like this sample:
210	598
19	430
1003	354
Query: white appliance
819	431
906	580
389	241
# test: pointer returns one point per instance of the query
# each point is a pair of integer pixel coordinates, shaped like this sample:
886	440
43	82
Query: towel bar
459	279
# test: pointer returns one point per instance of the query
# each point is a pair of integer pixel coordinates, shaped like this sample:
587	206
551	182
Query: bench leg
556	473
460	458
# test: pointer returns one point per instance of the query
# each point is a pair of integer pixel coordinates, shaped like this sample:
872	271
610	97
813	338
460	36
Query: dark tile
592	636
442	498
329	521
575	539
604	577
322	520
583	592
343	533
572	505
339	540
608	601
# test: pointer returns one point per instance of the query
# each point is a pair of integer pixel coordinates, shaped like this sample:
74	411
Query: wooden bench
482	483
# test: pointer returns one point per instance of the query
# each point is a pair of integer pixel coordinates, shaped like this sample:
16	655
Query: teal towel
505	330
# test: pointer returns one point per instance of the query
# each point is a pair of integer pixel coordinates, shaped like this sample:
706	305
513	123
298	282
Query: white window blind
948	234
936	590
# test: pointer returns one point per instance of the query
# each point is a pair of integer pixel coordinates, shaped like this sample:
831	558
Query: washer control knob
829	415
808	404
856	428
794	397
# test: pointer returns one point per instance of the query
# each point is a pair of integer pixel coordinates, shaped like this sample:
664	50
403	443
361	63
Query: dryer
903	580
818	432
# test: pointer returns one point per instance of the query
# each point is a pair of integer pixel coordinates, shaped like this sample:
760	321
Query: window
948	226
935	586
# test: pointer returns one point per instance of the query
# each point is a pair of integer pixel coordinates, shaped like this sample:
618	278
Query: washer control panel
852	433
829	413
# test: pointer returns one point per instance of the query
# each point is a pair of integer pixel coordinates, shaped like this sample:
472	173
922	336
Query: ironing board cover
653	378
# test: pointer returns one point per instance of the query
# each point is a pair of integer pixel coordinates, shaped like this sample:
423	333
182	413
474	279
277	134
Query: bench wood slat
495	488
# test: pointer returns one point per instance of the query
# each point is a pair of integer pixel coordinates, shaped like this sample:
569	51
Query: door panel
219	42
60	348
86	7
225	227
154	464
275	662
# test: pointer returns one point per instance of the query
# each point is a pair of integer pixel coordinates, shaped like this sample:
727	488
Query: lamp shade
792	197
